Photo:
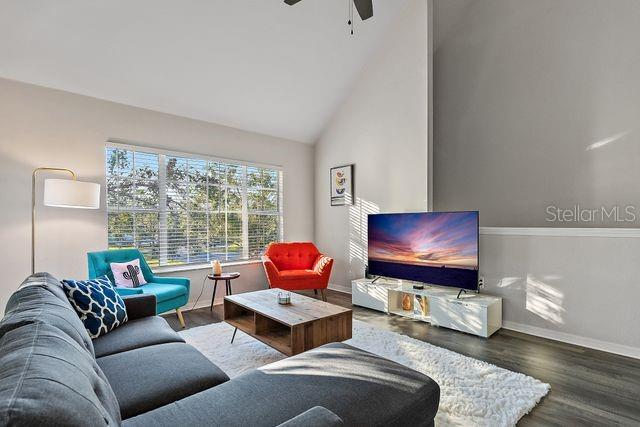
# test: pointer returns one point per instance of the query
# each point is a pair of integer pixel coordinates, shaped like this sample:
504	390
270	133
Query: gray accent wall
537	103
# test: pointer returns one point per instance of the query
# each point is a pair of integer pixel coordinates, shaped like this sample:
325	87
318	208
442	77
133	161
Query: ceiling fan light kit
364	8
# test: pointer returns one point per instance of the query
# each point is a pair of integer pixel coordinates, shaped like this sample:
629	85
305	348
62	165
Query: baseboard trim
340	288
200	304
609	347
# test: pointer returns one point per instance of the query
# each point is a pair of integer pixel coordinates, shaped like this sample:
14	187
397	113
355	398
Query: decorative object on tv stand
407	302
421	306
216	268
62	193
341	185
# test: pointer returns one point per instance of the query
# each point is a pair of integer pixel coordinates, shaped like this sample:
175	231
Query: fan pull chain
350	14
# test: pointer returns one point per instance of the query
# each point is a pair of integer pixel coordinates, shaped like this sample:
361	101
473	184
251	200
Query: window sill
207	266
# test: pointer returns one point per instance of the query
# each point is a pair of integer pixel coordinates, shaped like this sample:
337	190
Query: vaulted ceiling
258	65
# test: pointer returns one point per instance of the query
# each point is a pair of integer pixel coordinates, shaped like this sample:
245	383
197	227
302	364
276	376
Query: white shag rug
472	392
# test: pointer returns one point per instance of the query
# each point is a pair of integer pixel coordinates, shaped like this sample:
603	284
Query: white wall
45	127
382	129
574	285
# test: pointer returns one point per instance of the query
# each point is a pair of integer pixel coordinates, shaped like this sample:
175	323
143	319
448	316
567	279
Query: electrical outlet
481	282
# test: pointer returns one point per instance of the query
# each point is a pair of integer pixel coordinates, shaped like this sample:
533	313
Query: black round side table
227	277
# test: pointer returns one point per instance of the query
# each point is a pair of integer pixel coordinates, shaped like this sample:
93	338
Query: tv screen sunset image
435	239
431	247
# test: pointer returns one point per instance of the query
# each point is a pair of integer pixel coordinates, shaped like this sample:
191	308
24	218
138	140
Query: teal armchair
171	292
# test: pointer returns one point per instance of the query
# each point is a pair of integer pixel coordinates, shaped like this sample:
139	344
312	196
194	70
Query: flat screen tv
439	248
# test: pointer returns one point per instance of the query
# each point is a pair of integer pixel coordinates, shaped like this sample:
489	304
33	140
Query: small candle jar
216	268
284	298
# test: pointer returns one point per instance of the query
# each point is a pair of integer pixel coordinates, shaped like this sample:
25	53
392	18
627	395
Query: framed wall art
341	185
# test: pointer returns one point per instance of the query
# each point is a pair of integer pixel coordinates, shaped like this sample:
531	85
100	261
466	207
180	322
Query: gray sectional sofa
144	374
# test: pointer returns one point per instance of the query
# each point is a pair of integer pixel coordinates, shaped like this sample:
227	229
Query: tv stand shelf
477	314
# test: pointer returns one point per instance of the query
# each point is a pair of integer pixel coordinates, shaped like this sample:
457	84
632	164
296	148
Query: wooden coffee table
304	324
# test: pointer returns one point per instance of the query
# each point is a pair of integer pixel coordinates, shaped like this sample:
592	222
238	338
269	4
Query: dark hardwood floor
588	387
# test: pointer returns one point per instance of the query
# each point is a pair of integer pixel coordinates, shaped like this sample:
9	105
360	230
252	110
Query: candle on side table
216	268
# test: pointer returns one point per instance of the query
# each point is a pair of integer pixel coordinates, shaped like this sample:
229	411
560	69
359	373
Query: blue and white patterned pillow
97	303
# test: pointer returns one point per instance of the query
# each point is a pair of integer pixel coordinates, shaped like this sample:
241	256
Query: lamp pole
33	207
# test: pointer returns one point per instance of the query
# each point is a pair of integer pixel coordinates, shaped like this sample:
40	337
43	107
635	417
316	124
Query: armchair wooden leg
180	318
315	291
324	295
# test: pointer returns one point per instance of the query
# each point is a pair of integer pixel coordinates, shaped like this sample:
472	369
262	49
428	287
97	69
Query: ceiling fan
364	8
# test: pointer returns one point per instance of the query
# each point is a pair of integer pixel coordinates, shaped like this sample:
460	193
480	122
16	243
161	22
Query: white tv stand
476	314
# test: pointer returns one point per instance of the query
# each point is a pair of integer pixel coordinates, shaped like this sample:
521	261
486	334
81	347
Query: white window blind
182	209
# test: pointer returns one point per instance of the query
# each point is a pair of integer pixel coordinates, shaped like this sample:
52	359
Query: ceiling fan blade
291	2
365	8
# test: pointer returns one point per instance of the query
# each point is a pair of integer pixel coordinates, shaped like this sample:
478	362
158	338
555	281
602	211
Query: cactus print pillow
97	303
128	274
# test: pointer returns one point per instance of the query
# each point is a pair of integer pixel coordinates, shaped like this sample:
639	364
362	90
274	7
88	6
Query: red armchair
297	266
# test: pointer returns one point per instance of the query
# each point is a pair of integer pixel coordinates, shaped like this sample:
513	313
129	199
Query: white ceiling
258	65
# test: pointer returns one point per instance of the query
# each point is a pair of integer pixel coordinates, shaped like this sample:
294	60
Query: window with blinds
182	209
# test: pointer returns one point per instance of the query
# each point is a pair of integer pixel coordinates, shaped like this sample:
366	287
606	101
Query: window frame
163	210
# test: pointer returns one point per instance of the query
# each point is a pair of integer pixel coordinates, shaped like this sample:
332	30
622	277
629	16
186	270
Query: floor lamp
62	193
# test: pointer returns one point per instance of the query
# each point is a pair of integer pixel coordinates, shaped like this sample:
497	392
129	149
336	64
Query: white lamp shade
69	193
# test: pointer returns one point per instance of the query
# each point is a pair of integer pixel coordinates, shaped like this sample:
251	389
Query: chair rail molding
561	232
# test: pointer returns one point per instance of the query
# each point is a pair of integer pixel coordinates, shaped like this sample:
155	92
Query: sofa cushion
44	280
47	378
98	304
134	334
139	306
164	291
314	417
150	377
357	386
39	301
298	274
